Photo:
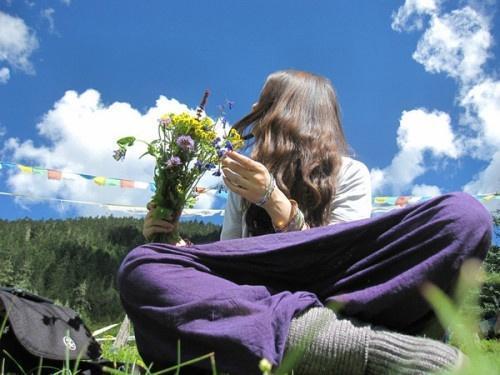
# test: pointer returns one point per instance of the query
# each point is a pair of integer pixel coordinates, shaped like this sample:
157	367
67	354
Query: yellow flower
235	138
202	129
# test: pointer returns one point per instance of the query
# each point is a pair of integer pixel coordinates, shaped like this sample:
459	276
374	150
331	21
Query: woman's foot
326	345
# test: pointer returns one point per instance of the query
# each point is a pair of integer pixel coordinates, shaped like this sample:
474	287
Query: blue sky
418	84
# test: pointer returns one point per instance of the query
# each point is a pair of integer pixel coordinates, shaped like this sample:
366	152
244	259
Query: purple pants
237	297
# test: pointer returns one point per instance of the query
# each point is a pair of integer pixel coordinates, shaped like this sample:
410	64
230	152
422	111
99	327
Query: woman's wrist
278	207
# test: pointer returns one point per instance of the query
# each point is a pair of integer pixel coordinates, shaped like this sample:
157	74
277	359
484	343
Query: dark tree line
75	261
489	297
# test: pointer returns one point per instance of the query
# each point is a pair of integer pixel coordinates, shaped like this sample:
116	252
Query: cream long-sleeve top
352	201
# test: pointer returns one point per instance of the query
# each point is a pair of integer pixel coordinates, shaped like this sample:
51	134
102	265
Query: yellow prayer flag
25	169
380	200
100	180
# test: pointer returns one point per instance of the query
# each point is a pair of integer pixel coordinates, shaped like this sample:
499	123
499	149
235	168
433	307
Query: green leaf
190	202
152	150
126	141
163	213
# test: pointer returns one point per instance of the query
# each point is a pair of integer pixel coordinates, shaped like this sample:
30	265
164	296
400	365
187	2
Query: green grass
126	354
129	355
489	351
461	317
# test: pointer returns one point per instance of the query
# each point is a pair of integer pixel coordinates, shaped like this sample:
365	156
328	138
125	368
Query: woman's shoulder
352	169
352	200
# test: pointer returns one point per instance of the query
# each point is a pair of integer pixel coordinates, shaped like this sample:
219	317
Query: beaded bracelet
269	190
295	222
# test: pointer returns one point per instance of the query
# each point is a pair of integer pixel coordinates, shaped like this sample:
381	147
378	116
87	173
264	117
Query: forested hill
75	261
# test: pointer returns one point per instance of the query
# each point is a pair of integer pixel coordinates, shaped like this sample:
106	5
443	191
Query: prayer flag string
380	204
142	210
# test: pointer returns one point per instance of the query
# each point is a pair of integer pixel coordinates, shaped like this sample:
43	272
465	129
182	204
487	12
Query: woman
264	296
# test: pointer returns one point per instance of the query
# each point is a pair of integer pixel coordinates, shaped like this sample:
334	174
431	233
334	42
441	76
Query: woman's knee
469	212
470	220
142	275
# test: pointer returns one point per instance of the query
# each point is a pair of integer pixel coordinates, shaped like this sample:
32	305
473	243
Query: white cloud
456	43
425	190
404	168
419	131
4	75
48	15
80	134
3	131
482	104
410	15
487	181
17	42
66	2
423	130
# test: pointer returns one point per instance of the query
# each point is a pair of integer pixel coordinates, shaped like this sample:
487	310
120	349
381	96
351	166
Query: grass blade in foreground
462	320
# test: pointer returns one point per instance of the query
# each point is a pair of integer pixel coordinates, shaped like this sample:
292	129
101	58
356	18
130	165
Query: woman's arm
232	227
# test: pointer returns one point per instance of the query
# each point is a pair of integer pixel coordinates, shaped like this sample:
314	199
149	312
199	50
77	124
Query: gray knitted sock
394	353
323	344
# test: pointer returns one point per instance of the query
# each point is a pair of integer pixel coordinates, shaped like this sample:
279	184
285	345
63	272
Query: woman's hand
250	179
245	176
153	226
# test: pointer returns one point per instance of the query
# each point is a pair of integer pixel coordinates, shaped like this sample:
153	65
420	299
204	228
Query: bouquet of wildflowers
187	146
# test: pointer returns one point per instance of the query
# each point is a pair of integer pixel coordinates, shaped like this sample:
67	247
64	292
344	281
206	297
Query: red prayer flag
402	201
127	184
54	175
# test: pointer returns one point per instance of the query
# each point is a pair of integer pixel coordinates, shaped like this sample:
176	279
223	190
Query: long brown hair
299	138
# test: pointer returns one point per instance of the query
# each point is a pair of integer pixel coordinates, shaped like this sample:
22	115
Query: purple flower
165	121
217	172
185	142
220	153
229	146
209	166
173	162
198	165
119	154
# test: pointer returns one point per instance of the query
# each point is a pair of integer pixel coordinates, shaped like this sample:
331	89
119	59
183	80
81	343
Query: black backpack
35	332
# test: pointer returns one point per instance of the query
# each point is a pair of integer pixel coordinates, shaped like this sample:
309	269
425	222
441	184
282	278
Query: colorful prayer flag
54	175
127	184
402	201
25	169
40	171
112	182
70	176
141	185
101	181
